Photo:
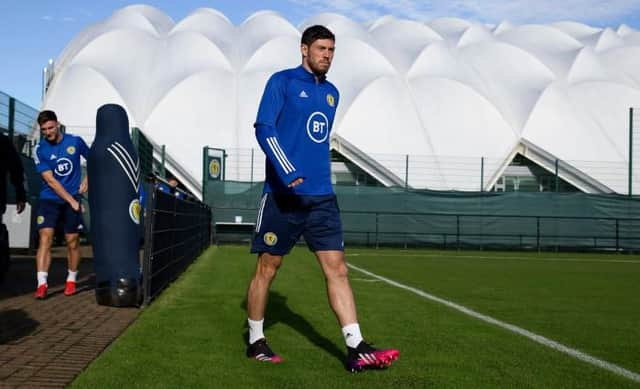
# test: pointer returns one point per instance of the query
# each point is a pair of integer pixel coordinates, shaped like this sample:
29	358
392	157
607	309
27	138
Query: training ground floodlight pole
630	150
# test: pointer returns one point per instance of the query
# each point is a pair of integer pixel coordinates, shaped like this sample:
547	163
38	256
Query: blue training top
293	126
63	159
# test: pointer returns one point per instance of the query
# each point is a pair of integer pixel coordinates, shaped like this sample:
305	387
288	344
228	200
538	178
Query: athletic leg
266	268
48	214
274	236
43	260
323	233
73	251
72	225
73	260
338	287
324	237
43	255
257	294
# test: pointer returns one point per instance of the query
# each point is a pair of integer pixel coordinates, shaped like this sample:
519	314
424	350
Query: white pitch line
510	327
454	256
364	280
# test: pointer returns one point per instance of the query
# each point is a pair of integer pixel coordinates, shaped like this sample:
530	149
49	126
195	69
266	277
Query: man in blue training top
57	158
293	125
171	187
11	166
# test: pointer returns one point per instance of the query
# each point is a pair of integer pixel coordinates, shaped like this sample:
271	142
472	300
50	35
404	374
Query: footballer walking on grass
292	127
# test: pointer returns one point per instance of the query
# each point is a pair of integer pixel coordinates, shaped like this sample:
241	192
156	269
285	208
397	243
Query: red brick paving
47	343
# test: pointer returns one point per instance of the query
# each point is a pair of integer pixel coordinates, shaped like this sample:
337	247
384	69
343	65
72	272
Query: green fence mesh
394	216
145	151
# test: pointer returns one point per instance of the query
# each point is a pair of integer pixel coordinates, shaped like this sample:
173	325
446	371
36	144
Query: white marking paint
510	327
454	256
365	280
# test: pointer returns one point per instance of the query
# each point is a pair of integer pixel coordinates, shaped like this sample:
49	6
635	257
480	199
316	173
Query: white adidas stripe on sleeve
279	155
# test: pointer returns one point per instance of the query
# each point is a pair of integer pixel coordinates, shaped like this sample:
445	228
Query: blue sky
32	31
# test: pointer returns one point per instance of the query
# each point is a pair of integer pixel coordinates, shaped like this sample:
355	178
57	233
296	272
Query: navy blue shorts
282	218
50	212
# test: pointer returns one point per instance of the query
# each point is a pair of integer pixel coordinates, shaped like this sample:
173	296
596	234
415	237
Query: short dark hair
45	116
313	33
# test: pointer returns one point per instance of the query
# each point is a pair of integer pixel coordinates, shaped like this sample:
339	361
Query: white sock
72	276
255	330
352	335
42	277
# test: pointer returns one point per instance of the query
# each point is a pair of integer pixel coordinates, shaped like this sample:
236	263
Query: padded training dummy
115	209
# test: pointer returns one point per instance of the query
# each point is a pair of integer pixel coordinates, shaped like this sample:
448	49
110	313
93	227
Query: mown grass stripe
510	327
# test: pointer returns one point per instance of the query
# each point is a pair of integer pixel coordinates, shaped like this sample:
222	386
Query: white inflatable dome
446	93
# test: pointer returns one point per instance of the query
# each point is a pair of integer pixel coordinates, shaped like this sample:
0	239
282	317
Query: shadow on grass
279	312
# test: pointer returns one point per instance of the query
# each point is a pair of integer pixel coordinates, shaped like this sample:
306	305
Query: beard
318	69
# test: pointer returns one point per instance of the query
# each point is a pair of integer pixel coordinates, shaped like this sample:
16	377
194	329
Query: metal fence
481	231
480	173
469	231
633	169
374	216
145	152
17	121
177	231
16	116
454	172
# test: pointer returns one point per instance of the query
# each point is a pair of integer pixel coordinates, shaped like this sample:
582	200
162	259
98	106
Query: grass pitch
193	334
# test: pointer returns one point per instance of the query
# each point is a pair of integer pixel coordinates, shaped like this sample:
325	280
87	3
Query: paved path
47	343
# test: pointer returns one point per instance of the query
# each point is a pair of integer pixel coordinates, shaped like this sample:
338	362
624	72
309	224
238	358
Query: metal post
252	165
135	139
557	175
44	84
482	174
147	262
12	117
617	236
162	161
630	150
458	231
377	241
209	225
538	232
406	172
205	173
224	165
174	221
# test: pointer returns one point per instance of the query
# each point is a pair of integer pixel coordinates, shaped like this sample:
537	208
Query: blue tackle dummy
113	171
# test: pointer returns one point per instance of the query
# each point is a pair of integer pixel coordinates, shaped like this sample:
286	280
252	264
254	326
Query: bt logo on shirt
318	127
64	167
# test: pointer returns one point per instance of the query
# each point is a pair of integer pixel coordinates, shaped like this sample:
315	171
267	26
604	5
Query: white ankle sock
72	276
352	335
255	330
42	277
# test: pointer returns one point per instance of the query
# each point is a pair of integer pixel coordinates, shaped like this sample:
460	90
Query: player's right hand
75	205
296	182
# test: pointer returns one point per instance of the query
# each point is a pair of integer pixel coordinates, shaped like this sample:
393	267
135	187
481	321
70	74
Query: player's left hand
84	187
20	206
